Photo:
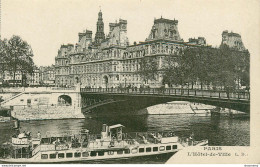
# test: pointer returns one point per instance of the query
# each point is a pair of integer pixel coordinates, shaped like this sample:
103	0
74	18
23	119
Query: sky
46	24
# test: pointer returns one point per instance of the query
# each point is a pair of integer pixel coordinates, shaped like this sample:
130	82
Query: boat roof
66	133
116	126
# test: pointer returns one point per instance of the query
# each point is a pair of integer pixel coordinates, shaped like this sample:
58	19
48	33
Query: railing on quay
37	106
220	94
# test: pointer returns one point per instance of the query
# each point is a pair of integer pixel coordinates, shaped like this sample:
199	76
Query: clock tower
100	35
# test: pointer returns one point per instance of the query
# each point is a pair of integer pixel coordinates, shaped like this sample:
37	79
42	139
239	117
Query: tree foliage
148	68
16	55
221	67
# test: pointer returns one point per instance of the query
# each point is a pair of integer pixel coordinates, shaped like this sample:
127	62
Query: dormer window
153	34
171	34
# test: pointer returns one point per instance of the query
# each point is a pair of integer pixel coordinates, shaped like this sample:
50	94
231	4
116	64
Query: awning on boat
116	126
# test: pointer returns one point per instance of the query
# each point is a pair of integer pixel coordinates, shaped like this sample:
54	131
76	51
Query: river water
219	131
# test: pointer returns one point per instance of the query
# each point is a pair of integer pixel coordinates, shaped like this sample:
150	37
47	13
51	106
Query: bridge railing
237	94
96	103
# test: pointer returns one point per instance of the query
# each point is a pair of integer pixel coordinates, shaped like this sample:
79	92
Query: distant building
47	75
109	61
233	40
34	78
12	79
197	41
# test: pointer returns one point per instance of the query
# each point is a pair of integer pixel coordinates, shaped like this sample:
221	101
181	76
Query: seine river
219	131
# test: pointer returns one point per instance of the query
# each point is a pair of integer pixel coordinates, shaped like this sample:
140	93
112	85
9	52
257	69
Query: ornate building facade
233	40
47	75
111	62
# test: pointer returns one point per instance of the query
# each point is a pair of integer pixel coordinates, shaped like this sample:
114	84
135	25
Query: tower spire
100	35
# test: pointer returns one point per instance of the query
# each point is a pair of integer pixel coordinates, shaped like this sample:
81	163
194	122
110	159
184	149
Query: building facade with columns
110	61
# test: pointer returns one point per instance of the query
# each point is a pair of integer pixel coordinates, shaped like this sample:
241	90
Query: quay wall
43	98
6	95
43	102
46	112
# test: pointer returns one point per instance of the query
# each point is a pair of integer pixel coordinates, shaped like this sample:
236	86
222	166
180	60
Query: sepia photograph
129	82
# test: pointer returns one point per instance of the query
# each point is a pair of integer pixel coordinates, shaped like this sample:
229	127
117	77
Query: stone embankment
55	112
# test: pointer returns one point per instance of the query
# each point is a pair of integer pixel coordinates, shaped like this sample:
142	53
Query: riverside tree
148	69
3	55
17	55
222	67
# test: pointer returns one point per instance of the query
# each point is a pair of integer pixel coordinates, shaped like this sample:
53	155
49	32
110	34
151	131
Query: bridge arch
64	100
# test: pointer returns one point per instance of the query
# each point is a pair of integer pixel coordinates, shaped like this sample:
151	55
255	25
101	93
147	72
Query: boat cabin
114	132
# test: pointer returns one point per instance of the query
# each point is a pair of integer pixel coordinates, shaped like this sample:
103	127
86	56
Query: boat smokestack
104	133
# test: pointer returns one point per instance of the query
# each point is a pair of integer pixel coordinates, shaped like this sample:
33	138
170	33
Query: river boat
84	147
228	113
179	107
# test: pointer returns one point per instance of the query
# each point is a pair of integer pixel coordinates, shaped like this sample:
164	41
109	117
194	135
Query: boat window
68	155
44	156
141	150
93	153
52	156
134	150
174	146
148	149
85	154
77	154
162	148
44	140
155	148
120	152
101	153
61	155
110	152
127	151
168	147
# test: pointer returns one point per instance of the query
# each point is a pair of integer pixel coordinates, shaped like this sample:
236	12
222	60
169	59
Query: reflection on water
219	131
